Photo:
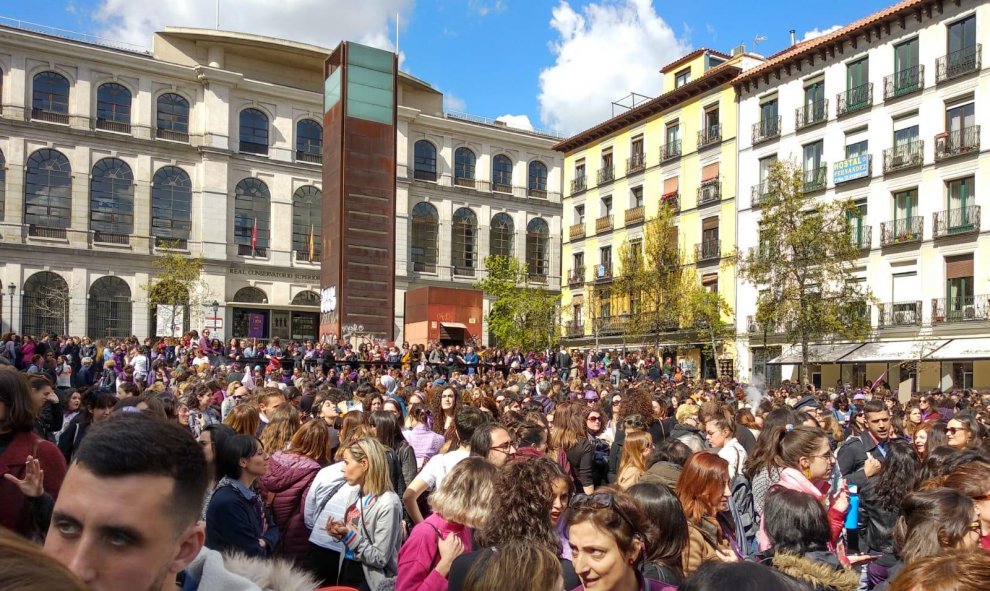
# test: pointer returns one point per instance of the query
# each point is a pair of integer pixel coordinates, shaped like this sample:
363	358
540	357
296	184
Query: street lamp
215	306
11	288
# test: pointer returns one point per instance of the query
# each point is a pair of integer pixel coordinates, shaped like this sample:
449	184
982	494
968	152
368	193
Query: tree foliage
176	286
520	316
804	264
707	311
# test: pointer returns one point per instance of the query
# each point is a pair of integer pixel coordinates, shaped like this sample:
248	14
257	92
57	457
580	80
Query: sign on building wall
169	321
851	169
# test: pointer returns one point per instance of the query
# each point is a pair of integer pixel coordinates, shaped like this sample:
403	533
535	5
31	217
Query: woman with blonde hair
285	421
244	419
570	446
26	567
638	447
460	505
371	528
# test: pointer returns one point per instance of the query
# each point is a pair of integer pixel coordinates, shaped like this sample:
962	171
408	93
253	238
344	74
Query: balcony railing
116	126
111	238
576	231
900	314
536	192
245	250
766	129
501	186
862	236
904	82
464	181
708	250
952	222
302	256
908	155
606	174
811	114
957	143
602	272
814	179
47	232
958	63
171	243
758	194
961	309
634	215
710	136
49	116
574	329
603	224
576	276
902	231
636	162
670	151
579	184
311	157
253	148
610	324
855	99
174	136
671	200
710	191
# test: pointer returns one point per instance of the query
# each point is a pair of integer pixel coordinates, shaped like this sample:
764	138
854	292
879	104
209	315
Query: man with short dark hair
494	443
861	457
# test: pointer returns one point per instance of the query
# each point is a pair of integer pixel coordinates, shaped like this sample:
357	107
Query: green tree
707	312
804	265
520	316
176	289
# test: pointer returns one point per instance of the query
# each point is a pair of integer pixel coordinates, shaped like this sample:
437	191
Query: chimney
793	37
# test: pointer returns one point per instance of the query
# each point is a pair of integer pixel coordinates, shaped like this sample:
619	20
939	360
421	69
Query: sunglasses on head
601	500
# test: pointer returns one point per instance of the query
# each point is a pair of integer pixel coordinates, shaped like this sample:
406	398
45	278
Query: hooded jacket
819	570
213	571
662	473
689	436
284	489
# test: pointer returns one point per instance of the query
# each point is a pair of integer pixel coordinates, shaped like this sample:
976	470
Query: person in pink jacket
461	503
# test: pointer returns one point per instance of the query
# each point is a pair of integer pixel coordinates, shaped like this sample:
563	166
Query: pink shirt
419	555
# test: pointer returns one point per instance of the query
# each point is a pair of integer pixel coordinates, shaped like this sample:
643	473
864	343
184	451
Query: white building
886	112
209	145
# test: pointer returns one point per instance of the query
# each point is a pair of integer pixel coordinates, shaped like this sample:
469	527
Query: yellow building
678	148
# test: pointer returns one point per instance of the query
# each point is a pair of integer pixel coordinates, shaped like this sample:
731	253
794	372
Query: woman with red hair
703	488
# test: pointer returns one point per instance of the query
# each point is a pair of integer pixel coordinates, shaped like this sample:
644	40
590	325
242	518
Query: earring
807	473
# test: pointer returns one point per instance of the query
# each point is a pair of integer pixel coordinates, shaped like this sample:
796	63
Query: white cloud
609	49
486	7
453	103
819	32
516	121
319	22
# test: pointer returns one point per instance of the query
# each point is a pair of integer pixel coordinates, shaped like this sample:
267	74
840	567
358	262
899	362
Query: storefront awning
963	350
884	352
453	325
825	353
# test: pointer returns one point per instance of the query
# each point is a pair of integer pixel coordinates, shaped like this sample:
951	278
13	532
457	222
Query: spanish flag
312	245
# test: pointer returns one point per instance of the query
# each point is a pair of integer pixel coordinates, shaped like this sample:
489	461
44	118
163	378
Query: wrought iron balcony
634	215
579	184
576	276
904	82
636	162
47	232
766	129
810	114
909	155
899	314
173	136
902	231
670	151
111	238
245	250
961	309
602	272
574	329
672	199
814	179
603	224
957	143
116	126
317	158
708	250
759	194
710	136
862	236
609	325
577	231
953	222
606	174
958	63
710	191
854	99
49	116
302	256
261	149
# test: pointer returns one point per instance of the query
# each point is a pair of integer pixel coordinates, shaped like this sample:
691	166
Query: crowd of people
190	464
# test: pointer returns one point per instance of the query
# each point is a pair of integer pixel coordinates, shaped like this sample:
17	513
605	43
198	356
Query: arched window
111	201
464	245
250	295
425	226
47	193
252	217
502	174
254	132
537	248
537	186
501	235
464	161
425	164
45	306
306	298
50	98
3	184
171	207
307	223
113	107
109	308
309	141
172	118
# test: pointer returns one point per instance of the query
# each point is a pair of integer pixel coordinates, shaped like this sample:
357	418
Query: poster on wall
169	320
256	325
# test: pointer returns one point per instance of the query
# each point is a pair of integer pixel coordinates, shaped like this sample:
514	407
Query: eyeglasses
954	430
827	456
601	501
506	448
616	402
594	418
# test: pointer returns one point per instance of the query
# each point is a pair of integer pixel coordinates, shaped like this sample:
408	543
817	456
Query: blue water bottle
852	520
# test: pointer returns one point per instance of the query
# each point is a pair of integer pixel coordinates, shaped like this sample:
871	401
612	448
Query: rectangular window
673	133
606	209
605	256
579	169
636	250
768	111
961	216
814	173
857	95
681	78
960	118
906	136
857	225
765	166
607	159
905	203
709	229
579	214
906	55
814	103
959	288
710	282
636	195
578	261
962	35
860	148
905	291
636	147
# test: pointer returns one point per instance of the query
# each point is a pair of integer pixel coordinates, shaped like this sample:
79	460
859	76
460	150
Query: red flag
254	236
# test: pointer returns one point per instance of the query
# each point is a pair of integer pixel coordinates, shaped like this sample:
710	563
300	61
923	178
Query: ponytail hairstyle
762	456
793	443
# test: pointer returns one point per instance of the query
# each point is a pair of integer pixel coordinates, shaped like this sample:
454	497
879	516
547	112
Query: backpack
743	510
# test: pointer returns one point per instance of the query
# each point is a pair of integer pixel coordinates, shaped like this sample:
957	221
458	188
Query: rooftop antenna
218	15
396	33
759	39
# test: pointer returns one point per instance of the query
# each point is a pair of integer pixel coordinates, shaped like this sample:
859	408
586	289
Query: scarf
790	479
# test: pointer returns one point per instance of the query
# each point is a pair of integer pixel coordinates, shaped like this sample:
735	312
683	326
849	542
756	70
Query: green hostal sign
850	169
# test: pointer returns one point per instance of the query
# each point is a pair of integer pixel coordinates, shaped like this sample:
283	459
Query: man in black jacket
861	457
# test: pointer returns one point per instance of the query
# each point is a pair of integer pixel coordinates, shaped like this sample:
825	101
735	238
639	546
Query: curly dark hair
898	475
522	511
433	402
637	401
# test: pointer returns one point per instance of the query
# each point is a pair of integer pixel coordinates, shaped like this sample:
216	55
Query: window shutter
709	172
670	185
709	223
959	266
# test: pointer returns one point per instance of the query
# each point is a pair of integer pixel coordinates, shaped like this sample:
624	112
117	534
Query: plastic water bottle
852	520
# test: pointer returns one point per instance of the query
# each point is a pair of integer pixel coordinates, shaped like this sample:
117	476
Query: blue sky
558	63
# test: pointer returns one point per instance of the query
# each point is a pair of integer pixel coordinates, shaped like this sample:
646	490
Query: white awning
825	353
883	352
453	325
963	350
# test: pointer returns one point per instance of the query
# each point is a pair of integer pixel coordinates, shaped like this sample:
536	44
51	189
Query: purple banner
256	325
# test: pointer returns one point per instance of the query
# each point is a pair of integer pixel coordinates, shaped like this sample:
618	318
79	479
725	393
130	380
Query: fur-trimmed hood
233	572
819	574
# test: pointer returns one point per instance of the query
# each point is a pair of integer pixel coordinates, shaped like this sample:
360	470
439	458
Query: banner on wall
256	325
169	320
